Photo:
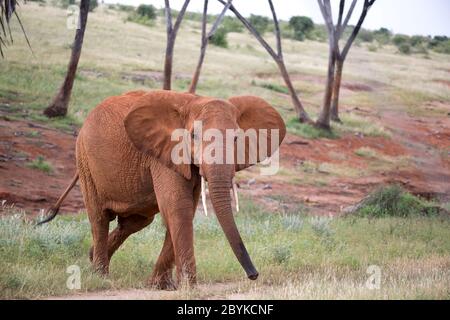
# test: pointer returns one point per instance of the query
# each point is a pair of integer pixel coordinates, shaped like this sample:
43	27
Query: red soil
425	140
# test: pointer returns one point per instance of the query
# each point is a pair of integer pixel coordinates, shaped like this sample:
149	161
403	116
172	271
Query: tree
60	103
330	108
146	10
302	27
206	37
277	56
7	9
172	30
92	5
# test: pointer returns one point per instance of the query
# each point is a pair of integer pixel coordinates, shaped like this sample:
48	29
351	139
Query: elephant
126	171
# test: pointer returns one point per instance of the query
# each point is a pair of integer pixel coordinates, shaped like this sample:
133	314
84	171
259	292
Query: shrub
400	39
40	164
220	38
146	10
365	35
92	5
302	27
231	24
404	48
260	23
394	201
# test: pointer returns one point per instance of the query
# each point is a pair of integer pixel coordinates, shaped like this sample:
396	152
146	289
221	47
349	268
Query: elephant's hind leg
126	226
162	274
99	227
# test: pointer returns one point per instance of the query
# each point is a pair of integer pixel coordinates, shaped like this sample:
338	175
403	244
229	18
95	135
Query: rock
267	187
251	181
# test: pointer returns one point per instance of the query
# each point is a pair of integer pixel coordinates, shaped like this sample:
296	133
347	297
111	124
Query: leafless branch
204	42
277	57
172	31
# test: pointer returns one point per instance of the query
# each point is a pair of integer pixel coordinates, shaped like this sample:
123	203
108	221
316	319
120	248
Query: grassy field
110	59
299	256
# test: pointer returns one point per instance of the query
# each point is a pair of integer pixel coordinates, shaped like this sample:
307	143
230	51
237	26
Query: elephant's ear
257	114
150	124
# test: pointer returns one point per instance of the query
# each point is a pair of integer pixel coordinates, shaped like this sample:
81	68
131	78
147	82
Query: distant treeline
297	28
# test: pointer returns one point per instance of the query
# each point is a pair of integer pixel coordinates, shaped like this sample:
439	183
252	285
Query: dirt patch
20	143
357	87
442	81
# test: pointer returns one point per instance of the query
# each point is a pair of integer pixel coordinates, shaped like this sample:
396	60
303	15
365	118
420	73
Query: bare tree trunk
205	39
277	57
196	76
168	61
336	90
172	31
324	118
302	115
58	107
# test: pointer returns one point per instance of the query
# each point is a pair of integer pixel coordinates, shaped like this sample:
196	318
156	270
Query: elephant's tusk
235	193
203	184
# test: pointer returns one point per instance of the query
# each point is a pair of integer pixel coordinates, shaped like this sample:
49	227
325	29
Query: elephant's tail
53	210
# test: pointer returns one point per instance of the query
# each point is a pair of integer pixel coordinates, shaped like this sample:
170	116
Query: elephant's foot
162	283
100	268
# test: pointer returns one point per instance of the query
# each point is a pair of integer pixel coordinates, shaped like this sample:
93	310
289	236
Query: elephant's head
155	117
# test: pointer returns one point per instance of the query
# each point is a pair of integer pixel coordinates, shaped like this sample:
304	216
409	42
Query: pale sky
425	17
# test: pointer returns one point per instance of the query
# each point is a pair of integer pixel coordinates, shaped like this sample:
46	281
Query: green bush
146	10
220	38
231	24
366	35
260	23
396	202
92	5
404	48
40	164
400	39
302	26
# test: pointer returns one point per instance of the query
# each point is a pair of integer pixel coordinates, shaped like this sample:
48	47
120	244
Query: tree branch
341	13
347	17
367	5
252	31
180	16
168	14
277	30
219	19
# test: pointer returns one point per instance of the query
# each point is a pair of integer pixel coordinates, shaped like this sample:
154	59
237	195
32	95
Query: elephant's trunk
219	190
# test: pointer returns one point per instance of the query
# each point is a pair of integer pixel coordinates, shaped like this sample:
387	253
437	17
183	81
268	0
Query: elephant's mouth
233	189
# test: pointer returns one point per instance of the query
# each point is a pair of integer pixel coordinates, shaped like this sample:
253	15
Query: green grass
366	152
40	164
274	87
287	249
308	131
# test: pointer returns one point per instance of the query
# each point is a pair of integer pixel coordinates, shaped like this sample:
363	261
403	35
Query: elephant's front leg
182	234
175	196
